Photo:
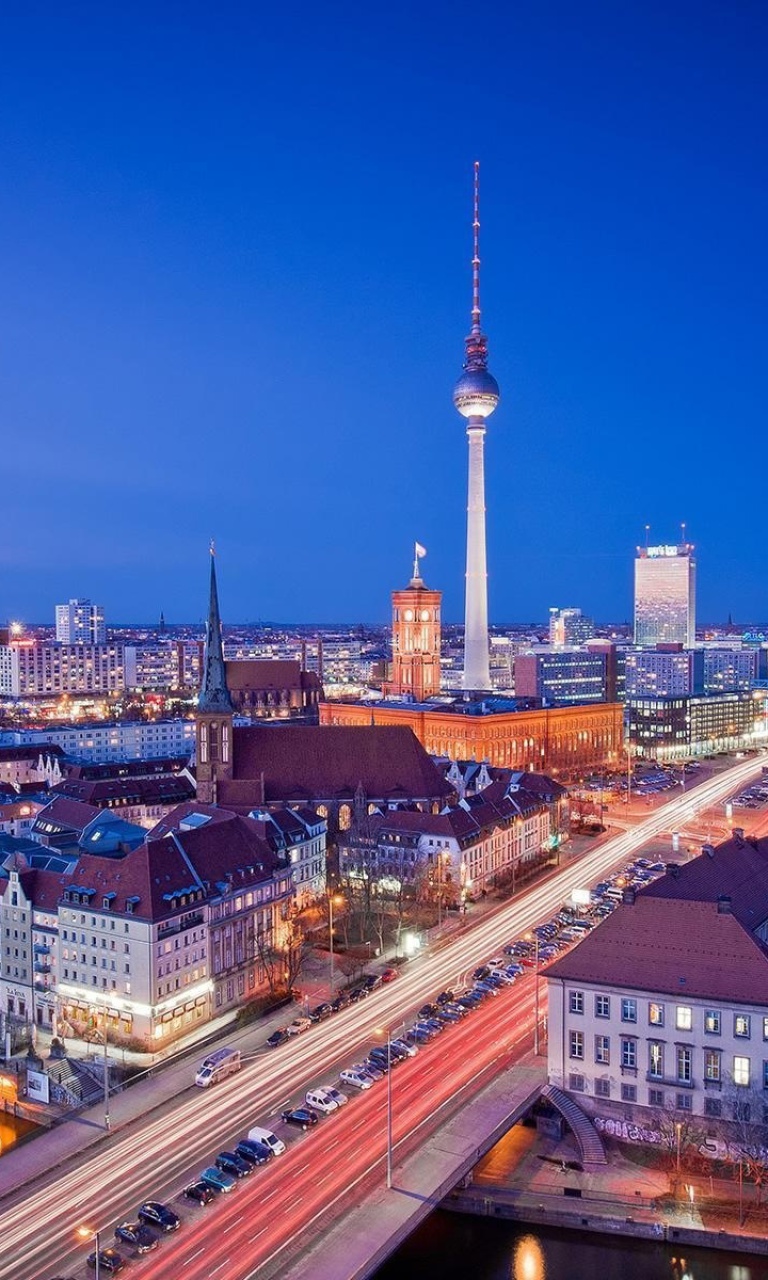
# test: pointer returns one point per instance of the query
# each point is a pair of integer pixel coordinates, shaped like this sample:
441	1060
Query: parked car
429	1010
418	1035
445	997
301	1117
278	1037
339	1098
460	1009
320	1012
158	1215
376	1064
447	1014
321	1100
358	993
200	1192
298	1025
372	981
233	1164
109	1260
254	1152
481	973
389	975
358	1079
217	1180
402	1046
340	1002
369	1068
137	1235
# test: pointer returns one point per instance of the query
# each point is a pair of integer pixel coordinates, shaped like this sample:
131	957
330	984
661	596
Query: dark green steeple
214	694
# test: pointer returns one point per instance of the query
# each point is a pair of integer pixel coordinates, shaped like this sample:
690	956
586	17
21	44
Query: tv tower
476	395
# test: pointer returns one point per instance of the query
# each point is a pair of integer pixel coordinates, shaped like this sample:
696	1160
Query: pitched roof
737	869
66	815
32	751
262	673
328	762
167	789
672	946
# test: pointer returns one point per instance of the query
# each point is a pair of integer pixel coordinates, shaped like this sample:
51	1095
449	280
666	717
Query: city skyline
172	265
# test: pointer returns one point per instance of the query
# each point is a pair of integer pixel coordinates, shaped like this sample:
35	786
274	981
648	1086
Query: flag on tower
420	551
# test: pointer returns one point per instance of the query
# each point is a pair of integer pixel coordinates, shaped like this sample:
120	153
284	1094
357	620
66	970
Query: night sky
234	288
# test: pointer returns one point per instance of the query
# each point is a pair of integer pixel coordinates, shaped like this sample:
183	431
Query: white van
320	1100
275	1144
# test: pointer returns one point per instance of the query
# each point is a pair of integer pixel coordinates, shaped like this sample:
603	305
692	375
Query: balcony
175	926
42	966
41	949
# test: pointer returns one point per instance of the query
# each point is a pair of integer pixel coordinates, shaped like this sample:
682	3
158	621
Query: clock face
425	615
409	615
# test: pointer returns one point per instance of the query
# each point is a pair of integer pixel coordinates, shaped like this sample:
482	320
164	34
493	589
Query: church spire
214	694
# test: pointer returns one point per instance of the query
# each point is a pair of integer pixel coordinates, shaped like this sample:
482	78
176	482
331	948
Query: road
238	1233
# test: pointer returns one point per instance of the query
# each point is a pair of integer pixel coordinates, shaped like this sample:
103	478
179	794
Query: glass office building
665	596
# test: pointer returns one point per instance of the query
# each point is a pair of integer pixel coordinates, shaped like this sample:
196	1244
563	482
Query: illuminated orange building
415	639
566	740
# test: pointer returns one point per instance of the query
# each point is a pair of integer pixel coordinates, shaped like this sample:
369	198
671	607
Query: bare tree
746	1133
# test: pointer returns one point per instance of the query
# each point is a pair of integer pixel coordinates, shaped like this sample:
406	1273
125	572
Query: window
629	1093
628	1010
741	1025
712	1022
765	1075
576	1083
656	1060
765	1028
684	1102
712	1064
602	1088
684	1064
656	1014
628	1053
741	1071
576	1001
577	1044
713	1107
602	1006
655	1097
603	1050
683	1017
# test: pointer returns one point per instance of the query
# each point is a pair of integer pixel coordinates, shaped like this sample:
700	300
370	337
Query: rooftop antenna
647	535
682	530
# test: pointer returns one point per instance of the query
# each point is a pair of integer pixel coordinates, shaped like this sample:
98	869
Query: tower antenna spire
476	254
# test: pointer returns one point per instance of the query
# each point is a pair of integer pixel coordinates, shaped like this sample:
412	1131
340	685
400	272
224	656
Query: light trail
158	1157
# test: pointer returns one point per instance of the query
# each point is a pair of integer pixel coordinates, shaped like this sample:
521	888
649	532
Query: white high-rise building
80	622
476	395
665	596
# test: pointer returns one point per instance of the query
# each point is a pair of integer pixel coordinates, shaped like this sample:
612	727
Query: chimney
724	905
674	869
709	849
628	897
738	834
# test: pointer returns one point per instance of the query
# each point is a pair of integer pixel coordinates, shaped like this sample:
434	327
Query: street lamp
107	1121
535	939
88	1233
338	900
678	1131
388	1034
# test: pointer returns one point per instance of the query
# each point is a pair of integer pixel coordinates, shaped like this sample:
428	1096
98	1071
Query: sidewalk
532	1178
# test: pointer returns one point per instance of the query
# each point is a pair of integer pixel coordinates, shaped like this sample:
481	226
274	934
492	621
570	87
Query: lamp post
331	900
678	1131
389	1102
88	1233
535	939
107	1121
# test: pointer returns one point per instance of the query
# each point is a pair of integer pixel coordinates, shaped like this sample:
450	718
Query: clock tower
415	638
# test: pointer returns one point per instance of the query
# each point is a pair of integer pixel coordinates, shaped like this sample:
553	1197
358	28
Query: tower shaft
477	672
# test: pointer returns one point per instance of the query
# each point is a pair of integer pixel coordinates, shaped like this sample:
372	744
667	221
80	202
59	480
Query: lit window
683	1017
741	1071
712	1022
656	1014
577	1044
741	1025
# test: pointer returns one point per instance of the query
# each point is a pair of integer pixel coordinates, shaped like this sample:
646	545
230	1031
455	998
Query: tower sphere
476	393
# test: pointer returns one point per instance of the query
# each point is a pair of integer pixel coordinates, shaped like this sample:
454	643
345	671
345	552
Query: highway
237	1235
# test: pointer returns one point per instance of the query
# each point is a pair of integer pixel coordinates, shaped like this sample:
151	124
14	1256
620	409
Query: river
452	1246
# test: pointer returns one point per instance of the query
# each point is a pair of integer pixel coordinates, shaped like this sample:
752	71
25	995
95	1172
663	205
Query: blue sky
234	254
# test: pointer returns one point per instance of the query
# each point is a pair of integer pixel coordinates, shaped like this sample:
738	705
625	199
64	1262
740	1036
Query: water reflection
528	1262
